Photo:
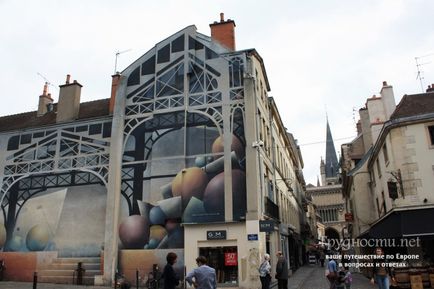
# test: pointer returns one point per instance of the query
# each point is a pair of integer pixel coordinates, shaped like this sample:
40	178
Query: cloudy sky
320	55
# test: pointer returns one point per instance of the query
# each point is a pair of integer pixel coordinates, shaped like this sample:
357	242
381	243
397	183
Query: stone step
72	266
87	280
70	273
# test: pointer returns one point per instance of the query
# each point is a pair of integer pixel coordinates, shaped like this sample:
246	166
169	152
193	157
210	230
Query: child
340	281
348	278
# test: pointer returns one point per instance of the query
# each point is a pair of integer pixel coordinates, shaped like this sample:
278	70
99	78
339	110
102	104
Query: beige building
188	155
388	170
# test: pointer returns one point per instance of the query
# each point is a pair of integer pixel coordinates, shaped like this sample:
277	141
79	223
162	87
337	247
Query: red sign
349	217
231	259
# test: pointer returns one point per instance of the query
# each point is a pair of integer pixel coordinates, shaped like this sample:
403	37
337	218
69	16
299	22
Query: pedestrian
170	278
281	271
348	278
2	269
202	277
321	257
380	271
332	273
265	272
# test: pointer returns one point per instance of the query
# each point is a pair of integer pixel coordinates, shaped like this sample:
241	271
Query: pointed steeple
331	161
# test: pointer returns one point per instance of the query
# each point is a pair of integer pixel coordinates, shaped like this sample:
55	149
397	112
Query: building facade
388	172
189	155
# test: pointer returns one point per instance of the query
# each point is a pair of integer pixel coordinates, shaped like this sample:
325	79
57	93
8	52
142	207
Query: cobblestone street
312	277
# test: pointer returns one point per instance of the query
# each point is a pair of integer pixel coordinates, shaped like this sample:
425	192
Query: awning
403	222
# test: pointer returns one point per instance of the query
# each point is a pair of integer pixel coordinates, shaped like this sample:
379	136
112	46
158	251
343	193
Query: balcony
271	209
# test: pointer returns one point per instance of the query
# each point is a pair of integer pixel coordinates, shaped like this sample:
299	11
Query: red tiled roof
414	104
91	109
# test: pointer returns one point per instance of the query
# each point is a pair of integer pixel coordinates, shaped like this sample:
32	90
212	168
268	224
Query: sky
323	58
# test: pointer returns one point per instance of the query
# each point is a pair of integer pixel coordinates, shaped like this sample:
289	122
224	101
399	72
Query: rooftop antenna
46	80
116	58
419	71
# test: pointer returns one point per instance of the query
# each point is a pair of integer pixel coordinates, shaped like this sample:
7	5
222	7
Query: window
431	134
386	156
225	261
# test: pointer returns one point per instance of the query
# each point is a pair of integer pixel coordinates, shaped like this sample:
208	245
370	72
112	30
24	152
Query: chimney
359	127
44	100
430	88
69	100
115	82
388	99
224	32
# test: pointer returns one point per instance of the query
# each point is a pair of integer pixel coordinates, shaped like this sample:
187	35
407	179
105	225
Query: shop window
224	260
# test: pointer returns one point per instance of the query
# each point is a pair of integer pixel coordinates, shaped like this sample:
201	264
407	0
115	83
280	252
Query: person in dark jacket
380	274
170	278
281	271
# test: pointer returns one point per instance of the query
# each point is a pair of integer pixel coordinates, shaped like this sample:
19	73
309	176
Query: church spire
331	160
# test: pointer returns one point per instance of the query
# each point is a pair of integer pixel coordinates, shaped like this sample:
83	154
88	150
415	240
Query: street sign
252	237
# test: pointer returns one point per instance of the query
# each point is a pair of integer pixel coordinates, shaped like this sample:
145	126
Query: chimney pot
68	78
384	83
44	92
222	17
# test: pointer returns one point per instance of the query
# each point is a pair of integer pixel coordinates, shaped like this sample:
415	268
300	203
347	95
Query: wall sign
216	235
266	226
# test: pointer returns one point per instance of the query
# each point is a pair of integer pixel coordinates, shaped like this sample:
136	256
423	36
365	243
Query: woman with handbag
381	272
265	272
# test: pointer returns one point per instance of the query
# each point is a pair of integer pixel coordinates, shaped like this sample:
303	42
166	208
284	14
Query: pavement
306	277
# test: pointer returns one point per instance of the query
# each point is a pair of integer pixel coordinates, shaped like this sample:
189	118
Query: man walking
202	277
281	271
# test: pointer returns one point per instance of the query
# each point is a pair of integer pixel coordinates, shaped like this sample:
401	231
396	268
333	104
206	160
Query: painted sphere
15	244
171	225
189	183
134	232
213	200
236	146
157	216
2	236
200	161
37	238
157	232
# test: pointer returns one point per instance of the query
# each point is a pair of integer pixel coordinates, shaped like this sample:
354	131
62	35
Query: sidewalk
29	285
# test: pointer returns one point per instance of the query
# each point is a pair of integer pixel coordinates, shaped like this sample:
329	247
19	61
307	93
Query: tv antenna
418	67
46	80
116	58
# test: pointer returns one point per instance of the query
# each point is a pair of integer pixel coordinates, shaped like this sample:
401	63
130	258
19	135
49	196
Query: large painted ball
157	232
236	146
189	183
37	238
134	232
15	244
2	236
213	199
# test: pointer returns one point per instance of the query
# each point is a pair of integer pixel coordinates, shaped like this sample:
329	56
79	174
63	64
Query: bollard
137	278
35	280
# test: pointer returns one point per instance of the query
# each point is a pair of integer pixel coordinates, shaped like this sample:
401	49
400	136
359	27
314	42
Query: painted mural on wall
53	194
173	162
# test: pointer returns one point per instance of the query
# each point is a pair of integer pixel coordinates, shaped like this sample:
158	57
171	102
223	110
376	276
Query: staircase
62	270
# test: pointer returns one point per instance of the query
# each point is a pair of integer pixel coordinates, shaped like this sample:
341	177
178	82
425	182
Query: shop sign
349	217
216	235
252	237
231	259
266	226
